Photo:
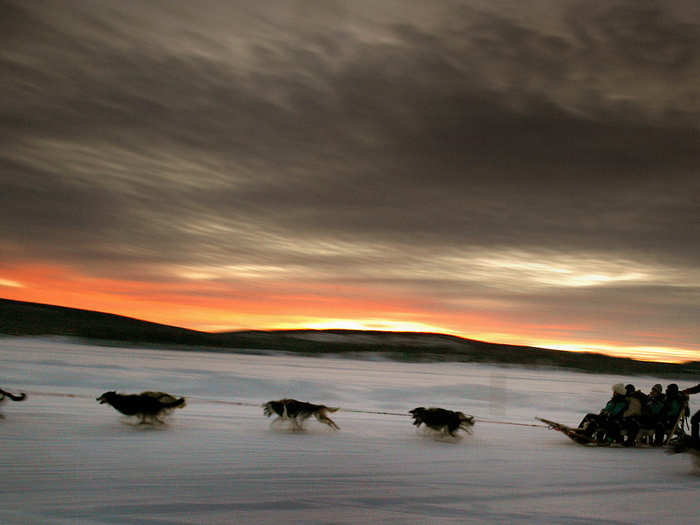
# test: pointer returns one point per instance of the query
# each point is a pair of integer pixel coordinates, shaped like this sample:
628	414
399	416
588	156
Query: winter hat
629	389
658	388
619	388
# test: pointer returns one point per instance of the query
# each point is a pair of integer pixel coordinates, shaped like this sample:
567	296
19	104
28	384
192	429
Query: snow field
66	459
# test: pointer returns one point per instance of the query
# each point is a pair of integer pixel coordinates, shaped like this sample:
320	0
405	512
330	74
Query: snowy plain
68	460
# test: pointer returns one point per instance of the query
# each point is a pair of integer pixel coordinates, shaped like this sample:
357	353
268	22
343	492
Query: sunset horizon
521	174
215	318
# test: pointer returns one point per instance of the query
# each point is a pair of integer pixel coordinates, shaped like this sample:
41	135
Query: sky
516	172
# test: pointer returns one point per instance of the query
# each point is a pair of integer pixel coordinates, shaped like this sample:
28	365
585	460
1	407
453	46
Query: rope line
478	419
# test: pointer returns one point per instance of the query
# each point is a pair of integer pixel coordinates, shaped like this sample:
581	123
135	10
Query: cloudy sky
519	172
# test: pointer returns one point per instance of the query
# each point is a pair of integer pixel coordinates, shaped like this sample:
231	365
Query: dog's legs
323	418
449	432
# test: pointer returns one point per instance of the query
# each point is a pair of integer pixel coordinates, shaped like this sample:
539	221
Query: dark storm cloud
128	132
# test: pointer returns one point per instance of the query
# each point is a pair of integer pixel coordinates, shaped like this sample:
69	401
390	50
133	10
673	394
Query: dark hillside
23	318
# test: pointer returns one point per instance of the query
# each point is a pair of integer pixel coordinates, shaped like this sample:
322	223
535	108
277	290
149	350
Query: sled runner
572	433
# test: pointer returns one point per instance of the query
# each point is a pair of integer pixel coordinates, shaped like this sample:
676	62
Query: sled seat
674	432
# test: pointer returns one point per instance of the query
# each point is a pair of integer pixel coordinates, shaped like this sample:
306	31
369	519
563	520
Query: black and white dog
442	420
299	411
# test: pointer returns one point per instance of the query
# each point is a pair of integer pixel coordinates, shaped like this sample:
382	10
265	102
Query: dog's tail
178	403
331	409
15	397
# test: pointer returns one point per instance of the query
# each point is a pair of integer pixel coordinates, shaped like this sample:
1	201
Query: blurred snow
65	459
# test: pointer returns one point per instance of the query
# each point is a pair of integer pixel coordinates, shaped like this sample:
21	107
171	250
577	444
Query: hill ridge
21	318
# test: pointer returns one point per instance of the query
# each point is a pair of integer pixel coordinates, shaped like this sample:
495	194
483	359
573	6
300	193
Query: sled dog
299	411
148	406
442	420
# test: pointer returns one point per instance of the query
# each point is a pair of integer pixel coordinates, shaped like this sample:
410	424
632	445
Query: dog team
151	407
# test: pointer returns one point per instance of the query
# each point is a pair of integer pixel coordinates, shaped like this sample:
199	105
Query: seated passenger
630	420
636	399
673	404
606	424
651	414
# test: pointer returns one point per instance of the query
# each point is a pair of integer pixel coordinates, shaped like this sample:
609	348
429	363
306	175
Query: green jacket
654	405
673	406
616	406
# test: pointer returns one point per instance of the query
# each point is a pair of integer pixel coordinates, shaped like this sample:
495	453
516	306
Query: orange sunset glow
517	173
212	306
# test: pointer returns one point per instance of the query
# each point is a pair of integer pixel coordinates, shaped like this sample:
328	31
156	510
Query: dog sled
574	434
644	437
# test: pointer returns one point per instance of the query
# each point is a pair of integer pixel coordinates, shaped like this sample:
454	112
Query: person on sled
607	424
636	399
695	420
631	417
674	402
651	413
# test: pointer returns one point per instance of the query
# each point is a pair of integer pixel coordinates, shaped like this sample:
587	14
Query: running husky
441	420
148	406
299	411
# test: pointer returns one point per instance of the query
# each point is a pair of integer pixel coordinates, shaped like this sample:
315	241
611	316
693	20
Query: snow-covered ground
66	459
